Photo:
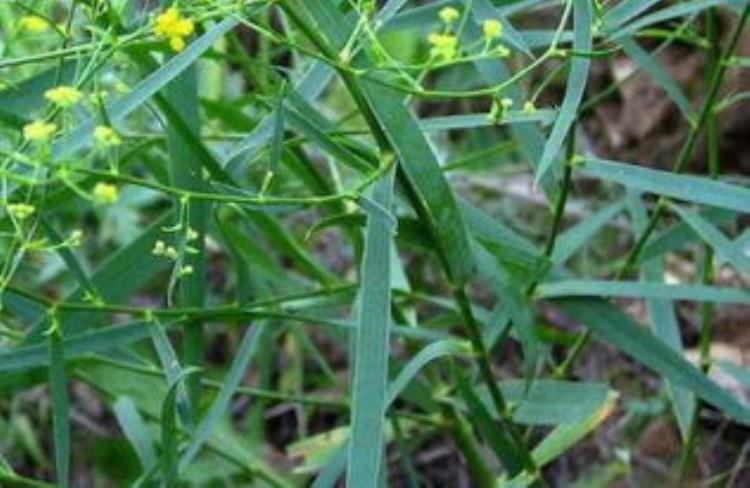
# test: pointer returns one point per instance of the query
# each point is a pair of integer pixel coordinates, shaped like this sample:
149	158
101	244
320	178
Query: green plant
256	171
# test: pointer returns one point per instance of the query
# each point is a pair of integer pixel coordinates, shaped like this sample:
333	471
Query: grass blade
371	350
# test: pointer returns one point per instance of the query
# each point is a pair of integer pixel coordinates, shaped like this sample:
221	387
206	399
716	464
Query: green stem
707	309
460	431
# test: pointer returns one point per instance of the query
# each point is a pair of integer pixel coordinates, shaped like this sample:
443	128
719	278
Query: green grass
299	259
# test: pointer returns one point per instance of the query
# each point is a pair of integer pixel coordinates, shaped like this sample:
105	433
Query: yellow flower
106	136
173	26
20	211
105	193
159	248
39	131
171	253
443	45
449	15
33	23
63	96
492	29
185	271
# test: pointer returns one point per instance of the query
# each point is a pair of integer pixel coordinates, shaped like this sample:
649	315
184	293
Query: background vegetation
403	243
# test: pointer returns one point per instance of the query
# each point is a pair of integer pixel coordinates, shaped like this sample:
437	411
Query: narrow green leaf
310	85
473	121
426	355
172	370
681	9
371	349
616	327
550	402
93	341
570	241
683	187
186	172
639	289
135	431
170	430
659	74
565	436
625	11
511	292
218	409
496	434
429	192
724	247
58	380
574	90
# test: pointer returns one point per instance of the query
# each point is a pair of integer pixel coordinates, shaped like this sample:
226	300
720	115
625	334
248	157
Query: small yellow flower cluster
39	131
20	211
105	193
443	45
63	96
449	15
161	249
105	136
492	29
171	25
185	270
33	23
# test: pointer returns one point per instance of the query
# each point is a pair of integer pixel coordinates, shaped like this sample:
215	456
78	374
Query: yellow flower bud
492	29
39	131
449	15
105	193
63	96
20	211
33	23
